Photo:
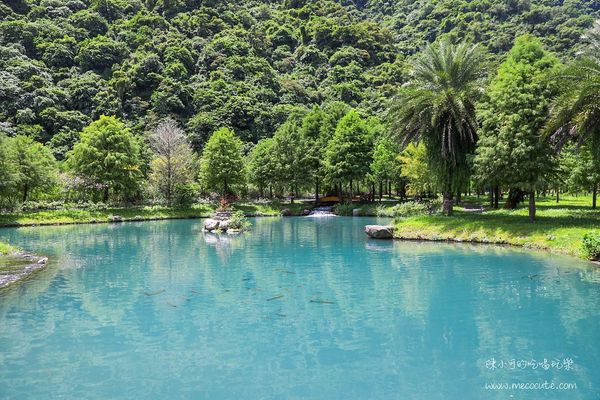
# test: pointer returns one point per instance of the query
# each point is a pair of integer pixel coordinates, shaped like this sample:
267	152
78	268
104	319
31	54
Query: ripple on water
297	308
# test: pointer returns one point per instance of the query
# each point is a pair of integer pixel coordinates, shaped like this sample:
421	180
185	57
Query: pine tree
511	151
222	164
348	155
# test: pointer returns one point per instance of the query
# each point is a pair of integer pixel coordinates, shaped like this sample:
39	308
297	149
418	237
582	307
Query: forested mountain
244	65
494	23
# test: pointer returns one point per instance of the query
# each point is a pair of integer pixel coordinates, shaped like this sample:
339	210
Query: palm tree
437	107
576	112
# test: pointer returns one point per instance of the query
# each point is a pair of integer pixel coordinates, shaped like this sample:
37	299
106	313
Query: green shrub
343	209
185	194
590	245
239	221
383	210
410	209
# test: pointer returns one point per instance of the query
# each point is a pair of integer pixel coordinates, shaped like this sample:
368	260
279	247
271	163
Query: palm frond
438	105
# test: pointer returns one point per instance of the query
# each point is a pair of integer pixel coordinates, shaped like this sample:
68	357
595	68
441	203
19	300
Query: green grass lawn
558	228
72	215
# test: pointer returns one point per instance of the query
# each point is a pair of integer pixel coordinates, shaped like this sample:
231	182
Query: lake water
299	308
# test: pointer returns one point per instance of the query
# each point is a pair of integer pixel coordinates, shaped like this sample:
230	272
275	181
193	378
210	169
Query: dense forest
294	78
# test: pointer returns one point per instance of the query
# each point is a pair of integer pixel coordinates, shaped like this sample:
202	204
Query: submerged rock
380	231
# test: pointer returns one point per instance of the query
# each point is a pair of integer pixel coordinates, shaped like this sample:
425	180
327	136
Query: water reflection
299	307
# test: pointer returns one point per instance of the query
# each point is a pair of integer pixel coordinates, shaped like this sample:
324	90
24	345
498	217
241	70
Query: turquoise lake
299	308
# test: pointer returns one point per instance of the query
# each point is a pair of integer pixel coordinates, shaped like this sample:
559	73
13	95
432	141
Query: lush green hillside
242	64
494	23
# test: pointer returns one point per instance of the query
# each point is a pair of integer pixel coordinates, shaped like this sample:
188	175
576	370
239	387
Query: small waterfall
323	211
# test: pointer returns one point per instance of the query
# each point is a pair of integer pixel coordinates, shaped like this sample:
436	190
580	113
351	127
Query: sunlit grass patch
559	227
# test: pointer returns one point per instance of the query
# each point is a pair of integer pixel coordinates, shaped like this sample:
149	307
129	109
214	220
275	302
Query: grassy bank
559	227
6	248
72	215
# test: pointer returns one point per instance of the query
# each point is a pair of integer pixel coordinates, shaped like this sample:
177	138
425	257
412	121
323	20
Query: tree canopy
108	155
239	64
438	108
222	165
511	151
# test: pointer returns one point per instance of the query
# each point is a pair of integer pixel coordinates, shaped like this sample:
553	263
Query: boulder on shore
380	231
286	212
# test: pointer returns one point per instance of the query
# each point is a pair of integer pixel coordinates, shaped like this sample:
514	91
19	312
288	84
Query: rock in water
286	212
224	225
211	224
115	218
380	231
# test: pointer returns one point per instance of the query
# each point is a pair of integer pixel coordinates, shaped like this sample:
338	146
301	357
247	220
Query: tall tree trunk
25	192
390	189
169	181
557	194
447	206
594	195
373	192
496	196
351	192
492	193
105	195
380	190
532	205
515	196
